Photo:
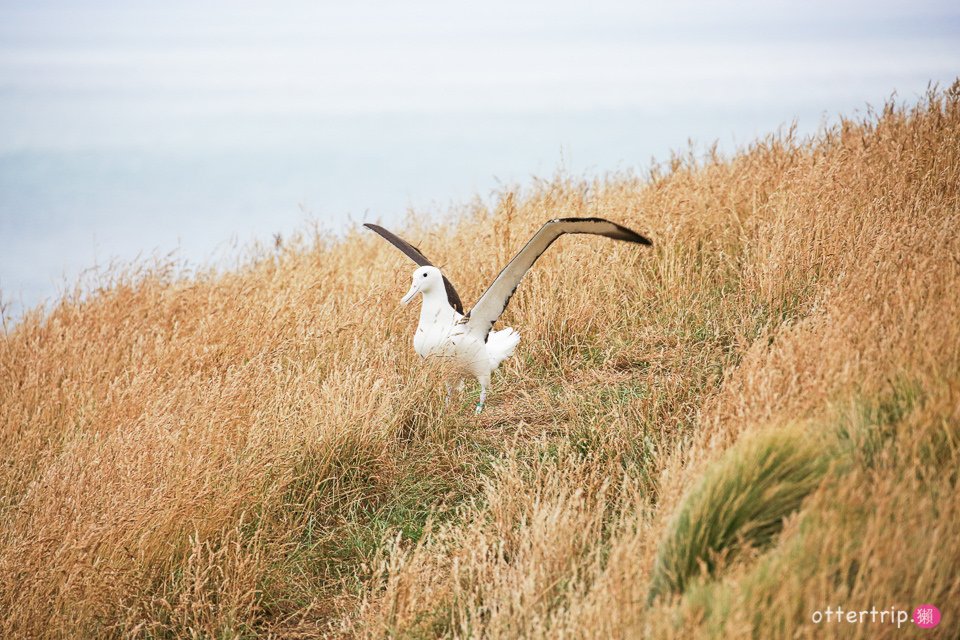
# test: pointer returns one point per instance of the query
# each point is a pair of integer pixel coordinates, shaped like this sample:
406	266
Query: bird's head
425	280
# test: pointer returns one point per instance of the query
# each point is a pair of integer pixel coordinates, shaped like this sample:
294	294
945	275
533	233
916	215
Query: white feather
467	342
501	344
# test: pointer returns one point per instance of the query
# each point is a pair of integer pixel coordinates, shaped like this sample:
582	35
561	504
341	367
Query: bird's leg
484	381
446	399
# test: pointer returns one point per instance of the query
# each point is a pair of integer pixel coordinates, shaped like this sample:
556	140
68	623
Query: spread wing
417	256
494	300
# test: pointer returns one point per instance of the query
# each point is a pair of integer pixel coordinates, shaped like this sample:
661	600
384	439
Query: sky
130	129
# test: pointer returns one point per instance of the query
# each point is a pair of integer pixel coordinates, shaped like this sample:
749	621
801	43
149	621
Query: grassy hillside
755	419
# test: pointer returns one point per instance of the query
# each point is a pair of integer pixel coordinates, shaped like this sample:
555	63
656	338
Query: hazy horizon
129	129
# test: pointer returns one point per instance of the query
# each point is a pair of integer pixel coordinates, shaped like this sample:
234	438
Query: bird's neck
436	309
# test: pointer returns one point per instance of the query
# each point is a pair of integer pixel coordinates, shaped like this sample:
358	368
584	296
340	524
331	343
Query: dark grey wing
494	300
417	256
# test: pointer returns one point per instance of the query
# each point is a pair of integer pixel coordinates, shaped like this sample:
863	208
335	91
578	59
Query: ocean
129	131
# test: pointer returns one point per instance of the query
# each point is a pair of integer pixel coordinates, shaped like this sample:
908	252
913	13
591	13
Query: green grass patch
740	503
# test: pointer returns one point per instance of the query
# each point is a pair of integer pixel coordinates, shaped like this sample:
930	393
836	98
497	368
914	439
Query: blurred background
133	129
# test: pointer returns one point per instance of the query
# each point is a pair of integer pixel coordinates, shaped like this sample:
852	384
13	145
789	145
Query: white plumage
467	340
445	333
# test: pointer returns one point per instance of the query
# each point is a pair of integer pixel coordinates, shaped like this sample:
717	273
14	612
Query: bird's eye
424	275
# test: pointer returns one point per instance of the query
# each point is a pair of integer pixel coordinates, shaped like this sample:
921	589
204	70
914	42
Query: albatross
467	340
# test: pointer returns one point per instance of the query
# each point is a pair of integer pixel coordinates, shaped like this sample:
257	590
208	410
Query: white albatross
467	340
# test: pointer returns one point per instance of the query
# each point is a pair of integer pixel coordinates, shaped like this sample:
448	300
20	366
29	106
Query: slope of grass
259	452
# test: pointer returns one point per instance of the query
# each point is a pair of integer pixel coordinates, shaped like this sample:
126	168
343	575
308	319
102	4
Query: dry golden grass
259	453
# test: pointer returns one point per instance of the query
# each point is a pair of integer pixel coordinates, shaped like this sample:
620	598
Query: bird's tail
501	344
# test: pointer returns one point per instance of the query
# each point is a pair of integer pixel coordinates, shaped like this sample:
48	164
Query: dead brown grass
258	453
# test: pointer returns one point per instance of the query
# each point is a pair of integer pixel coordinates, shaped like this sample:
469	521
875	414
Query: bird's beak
414	290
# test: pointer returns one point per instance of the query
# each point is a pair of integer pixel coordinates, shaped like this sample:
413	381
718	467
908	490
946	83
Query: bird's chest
450	342
436	340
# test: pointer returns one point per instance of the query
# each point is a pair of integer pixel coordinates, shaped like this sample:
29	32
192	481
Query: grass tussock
739	505
258	452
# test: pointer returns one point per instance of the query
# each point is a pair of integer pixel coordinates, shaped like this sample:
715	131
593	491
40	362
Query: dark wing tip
378	229
587	219
623	233
629	235
408	249
417	256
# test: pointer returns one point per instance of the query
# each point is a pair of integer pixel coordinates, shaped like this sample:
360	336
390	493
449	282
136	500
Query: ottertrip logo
925	616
